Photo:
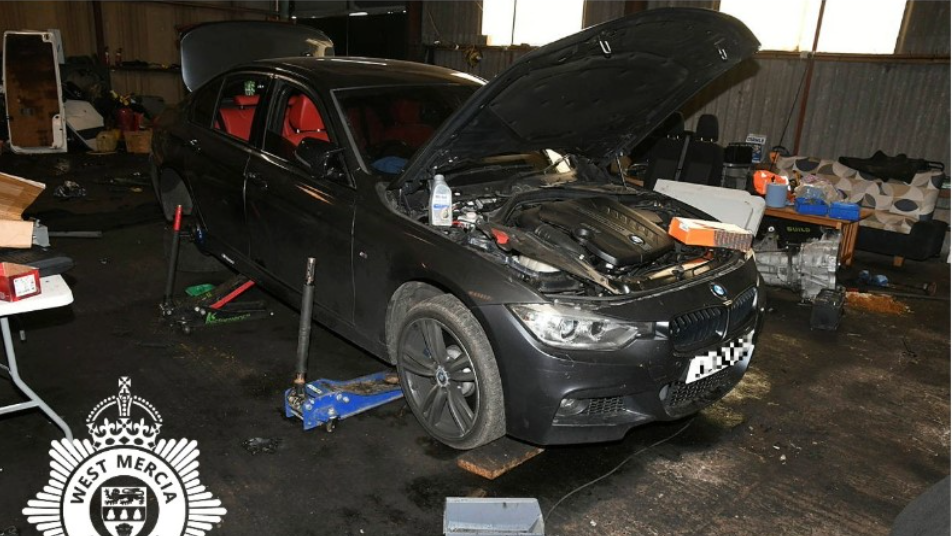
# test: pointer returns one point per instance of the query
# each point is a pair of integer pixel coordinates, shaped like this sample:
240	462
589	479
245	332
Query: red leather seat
407	126
365	125
237	120
286	130
304	121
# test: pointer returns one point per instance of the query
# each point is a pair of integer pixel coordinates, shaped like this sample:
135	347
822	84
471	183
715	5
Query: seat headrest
673	125
707	128
406	111
304	115
247	100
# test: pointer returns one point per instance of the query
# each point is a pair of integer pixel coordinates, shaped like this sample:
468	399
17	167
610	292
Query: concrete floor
829	433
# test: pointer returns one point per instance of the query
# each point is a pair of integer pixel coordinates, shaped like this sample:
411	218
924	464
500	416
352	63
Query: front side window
388	125
238	104
296	118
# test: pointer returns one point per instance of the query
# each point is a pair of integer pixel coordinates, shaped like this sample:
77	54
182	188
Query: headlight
565	327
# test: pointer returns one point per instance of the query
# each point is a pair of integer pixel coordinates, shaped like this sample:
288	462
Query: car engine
615	237
578	242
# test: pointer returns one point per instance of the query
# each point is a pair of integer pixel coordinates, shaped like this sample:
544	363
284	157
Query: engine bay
575	240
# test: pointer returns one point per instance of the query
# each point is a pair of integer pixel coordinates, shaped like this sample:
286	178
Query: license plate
715	361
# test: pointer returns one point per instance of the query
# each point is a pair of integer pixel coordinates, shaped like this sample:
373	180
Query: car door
295	212
220	147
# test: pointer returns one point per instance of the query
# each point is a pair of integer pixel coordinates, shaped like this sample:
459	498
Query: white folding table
55	293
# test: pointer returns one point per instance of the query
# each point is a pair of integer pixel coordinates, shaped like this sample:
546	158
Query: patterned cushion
915	201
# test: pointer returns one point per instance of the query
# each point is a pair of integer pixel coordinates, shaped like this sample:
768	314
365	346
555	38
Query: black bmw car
553	305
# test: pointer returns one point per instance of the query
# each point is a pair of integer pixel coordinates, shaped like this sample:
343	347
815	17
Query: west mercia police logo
124	481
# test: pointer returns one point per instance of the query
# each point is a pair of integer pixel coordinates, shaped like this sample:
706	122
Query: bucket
776	195
138	141
106	141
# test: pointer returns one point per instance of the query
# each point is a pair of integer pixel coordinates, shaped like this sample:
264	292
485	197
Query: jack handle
173	259
304	328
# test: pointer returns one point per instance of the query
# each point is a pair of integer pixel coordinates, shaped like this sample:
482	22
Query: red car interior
366	126
237	119
302	121
407	125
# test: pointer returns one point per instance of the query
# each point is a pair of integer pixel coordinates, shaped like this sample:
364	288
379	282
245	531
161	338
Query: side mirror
318	155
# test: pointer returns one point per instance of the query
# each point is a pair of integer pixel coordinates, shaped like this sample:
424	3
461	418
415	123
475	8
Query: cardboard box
16	194
18	281
713	234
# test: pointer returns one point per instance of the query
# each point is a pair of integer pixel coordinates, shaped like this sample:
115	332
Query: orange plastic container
763	177
713	234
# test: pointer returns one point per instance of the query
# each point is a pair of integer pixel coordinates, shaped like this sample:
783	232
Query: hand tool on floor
325	402
209	307
879	280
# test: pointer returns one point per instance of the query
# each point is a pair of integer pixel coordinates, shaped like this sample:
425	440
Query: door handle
193	145
256	179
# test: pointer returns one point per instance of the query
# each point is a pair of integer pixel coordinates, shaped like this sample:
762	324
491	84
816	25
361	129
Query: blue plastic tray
811	206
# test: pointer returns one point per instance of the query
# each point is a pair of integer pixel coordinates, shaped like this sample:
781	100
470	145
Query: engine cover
616	234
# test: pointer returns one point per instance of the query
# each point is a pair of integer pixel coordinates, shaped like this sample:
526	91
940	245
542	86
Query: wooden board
497	458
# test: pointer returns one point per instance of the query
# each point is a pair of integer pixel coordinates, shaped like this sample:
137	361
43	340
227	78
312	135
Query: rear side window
203	103
238	104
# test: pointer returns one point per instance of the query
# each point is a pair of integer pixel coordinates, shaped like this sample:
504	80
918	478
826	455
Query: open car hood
595	93
212	48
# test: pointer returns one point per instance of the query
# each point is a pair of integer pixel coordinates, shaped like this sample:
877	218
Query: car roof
337	72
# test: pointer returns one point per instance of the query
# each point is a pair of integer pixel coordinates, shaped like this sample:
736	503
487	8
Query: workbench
55	293
848	229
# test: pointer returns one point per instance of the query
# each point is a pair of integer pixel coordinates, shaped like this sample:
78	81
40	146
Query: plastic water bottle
441	202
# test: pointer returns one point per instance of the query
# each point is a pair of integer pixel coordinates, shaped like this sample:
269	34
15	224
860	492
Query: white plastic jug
441	202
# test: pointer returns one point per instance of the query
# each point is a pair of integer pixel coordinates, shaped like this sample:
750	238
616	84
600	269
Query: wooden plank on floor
497	458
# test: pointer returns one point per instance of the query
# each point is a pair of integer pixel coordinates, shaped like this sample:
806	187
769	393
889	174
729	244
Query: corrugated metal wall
857	108
73	19
145	31
755	97
854	108
155	41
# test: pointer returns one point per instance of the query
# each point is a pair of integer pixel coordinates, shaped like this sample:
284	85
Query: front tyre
449	375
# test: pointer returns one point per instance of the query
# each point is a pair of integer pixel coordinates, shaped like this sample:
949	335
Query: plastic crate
492	517
845	211
813	207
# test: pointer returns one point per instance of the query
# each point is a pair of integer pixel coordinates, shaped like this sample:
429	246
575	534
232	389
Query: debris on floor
257	445
875	303
69	190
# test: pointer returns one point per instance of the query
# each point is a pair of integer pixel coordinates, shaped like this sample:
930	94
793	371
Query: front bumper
635	385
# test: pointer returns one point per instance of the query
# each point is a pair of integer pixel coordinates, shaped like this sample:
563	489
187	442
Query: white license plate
715	361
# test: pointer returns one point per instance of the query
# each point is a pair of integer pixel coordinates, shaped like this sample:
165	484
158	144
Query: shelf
146	70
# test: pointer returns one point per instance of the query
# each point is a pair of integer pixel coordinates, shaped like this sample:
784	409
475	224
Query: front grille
698	328
613	405
742	307
680	394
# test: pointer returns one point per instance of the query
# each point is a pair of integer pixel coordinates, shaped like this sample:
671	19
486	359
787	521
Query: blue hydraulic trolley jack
325	402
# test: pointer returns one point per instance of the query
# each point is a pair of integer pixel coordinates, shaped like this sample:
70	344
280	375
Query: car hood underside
593	94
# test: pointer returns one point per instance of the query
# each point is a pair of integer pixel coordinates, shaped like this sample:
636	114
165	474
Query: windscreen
389	124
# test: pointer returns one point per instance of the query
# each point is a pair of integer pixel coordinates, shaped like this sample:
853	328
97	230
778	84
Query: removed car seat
664	154
704	158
